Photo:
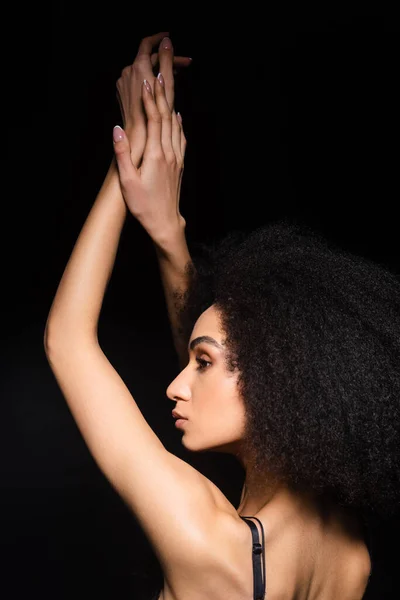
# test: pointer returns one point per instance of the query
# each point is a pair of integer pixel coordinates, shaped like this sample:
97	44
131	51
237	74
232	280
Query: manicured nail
147	86
160	79
166	43
118	133
179	117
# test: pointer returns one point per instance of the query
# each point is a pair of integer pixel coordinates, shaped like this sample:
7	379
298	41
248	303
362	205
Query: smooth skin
203	546
129	87
155	484
169	243
207	395
152	191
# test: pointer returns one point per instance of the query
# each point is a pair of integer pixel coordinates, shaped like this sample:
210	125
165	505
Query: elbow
60	339
46	338
49	340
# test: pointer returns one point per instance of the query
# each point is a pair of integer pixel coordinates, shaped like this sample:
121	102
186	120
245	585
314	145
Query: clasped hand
151	190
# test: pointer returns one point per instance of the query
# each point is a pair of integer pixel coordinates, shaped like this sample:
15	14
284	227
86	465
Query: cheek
223	412
218	402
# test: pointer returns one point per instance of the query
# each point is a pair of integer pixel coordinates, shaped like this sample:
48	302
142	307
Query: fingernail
160	79
166	43
179	117
118	133
147	86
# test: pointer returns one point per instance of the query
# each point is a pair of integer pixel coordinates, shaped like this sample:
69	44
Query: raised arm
78	301
173	257
154	483
164	224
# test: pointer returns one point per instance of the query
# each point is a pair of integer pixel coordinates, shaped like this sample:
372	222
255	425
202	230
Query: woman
290	362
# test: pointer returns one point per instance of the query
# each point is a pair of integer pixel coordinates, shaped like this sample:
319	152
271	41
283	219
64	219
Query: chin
224	447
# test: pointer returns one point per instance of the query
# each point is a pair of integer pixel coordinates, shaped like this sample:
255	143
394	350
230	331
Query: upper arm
170	499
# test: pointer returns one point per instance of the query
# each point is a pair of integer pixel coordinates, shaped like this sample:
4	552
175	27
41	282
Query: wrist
111	181
172	245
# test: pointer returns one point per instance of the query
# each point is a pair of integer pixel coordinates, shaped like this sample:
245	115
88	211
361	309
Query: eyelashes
203	364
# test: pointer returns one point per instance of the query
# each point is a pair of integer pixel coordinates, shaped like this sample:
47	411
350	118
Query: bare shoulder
348	579
335	562
358	570
344	564
344	561
215	570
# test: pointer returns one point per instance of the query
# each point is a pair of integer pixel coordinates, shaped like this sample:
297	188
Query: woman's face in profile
206	393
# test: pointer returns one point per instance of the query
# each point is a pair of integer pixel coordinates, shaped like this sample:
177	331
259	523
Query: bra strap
259	588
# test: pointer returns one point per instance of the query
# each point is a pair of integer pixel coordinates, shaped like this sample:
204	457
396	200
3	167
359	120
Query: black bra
259	585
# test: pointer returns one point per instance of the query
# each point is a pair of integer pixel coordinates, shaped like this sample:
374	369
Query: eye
203	364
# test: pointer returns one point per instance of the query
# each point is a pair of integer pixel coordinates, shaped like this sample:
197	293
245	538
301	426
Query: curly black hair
314	332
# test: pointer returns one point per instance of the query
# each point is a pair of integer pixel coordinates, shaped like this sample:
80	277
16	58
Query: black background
285	116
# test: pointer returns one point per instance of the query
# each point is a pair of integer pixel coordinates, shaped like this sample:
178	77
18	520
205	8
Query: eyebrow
207	340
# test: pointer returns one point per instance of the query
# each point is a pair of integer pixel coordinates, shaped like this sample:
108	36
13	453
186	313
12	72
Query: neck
267	497
279	505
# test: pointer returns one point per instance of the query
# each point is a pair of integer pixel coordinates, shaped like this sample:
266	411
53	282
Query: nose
179	388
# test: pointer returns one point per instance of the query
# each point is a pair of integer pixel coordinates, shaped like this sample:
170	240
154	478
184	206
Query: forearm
173	256
77	304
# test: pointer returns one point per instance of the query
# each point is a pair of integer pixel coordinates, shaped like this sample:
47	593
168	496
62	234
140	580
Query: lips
176	415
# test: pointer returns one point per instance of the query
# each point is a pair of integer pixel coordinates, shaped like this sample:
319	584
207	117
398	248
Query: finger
122	150
166	57
147	44
166	118
153	143
176	137
182	61
179	61
143	56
